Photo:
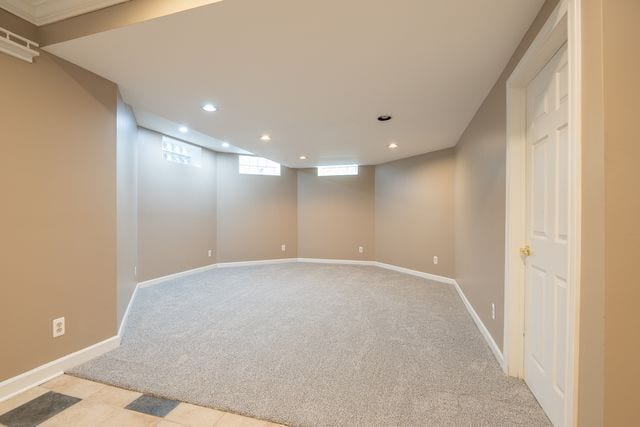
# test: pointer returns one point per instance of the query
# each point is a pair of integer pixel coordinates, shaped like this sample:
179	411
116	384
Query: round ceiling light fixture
265	137
384	118
393	145
225	144
210	108
183	129
303	157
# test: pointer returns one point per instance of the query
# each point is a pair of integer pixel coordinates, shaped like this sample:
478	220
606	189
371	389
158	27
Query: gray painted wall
336	215
414	212
126	204
256	214
480	193
176	211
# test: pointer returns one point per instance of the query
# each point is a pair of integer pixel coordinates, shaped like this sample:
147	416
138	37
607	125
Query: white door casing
562	27
547	231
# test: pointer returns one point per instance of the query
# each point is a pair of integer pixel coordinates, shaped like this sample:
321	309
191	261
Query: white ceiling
40	12
314	74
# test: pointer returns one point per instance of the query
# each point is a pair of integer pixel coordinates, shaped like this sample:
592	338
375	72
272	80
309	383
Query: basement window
180	152
337	170
251	165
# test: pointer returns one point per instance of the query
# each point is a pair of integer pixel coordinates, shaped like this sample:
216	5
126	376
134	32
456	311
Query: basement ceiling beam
120	15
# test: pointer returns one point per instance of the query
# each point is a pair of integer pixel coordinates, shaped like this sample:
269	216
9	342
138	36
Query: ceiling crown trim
42	12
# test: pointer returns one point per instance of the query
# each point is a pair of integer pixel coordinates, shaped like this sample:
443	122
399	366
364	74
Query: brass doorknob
525	250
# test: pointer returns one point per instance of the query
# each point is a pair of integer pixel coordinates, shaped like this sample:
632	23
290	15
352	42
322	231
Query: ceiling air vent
18	46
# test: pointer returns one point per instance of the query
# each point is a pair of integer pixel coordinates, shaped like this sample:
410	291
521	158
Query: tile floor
69	401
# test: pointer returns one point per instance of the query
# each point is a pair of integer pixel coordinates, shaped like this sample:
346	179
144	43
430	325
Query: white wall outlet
493	311
283	247
58	327
361	249
209	252
435	259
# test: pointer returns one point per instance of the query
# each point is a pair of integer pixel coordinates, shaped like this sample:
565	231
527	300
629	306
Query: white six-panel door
547	176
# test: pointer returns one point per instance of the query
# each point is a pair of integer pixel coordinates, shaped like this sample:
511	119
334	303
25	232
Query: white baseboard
176	275
417	273
41	374
335	261
126	313
483	329
258	262
422	274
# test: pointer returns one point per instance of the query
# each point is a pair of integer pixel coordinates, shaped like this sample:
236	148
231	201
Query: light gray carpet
315	345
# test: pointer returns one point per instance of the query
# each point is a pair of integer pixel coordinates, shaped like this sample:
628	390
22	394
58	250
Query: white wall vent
18	46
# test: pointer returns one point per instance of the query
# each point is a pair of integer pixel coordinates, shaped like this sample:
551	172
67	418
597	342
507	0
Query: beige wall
176	211
414	212
591	339
127	204
621	65
256	214
336	215
480	192
58	215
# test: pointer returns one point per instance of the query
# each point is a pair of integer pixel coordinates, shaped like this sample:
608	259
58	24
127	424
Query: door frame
562	26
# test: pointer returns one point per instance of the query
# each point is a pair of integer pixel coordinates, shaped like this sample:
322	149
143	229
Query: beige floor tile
84	413
114	396
125	417
165	423
72	386
21	398
194	416
233	420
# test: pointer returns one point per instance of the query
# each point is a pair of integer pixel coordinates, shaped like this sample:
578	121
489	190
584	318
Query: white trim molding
17	46
41	374
257	262
562	26
417	273
41	12
428	276
157	280
126	313
335	261
483	329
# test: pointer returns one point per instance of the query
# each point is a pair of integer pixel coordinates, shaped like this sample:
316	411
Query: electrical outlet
283	247
209	253
435	259
493	311
361	249
58	327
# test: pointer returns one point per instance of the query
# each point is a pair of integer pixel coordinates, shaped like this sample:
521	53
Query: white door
547	198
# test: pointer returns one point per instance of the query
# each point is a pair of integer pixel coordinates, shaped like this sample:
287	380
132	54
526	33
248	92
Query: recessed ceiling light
209	108
225	144
183	129
393	145
384	118
303	157
265	137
